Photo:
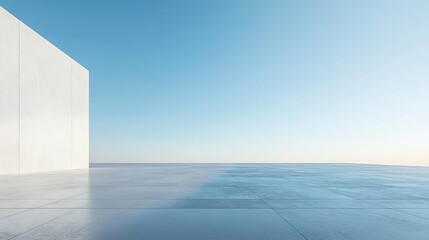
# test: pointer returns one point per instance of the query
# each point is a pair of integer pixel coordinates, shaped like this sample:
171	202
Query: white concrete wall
80	111
43	103
9	94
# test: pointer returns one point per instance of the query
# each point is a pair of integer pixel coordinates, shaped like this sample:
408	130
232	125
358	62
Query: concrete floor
219	202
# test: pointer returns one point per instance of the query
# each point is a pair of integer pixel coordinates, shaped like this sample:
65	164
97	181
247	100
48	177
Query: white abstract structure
44	103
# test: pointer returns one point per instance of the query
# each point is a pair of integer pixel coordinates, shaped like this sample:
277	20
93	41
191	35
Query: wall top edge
44	39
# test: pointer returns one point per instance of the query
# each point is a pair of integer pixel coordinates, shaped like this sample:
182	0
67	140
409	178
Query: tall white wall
80	110
9	94
43	103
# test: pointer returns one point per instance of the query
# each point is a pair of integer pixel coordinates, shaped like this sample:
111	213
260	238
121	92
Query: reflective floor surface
219	202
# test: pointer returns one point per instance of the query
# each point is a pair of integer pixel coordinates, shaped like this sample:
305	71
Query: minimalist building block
44	103
9	93
80	111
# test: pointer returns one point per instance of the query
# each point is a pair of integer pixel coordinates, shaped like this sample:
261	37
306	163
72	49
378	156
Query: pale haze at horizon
248	81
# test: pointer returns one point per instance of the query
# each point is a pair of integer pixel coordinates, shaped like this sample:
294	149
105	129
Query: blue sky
248	80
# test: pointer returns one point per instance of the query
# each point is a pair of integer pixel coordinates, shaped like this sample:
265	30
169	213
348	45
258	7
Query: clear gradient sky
248	80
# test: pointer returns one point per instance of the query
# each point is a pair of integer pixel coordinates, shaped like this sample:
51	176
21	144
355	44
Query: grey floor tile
221	193
167	224
423	213
130	193
220	204
24	203
287	192
383	192
356	224
320	204
8	212
163	204
218	201
89	204
27	220
401	203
